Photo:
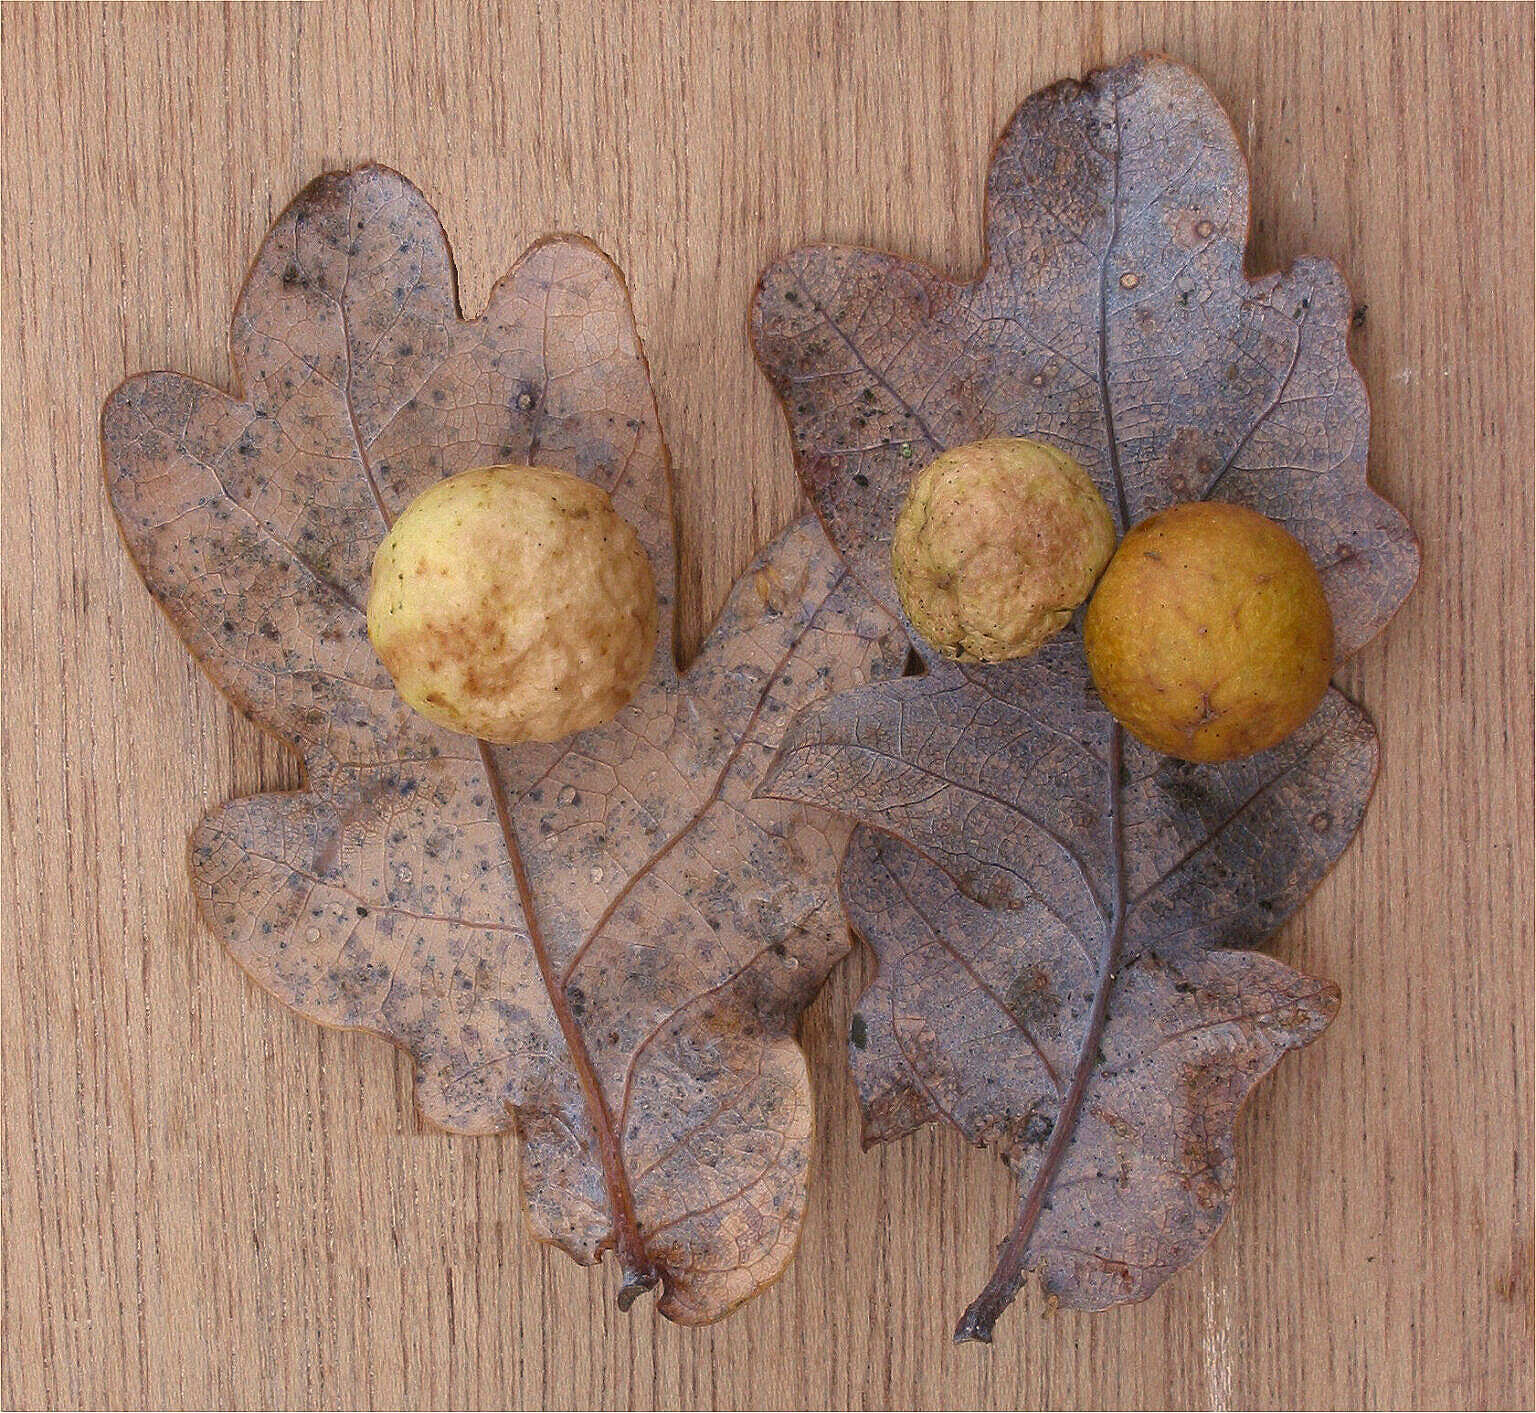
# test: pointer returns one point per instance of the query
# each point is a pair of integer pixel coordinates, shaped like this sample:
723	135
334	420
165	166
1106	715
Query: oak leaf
604	942
1052	906
1045	890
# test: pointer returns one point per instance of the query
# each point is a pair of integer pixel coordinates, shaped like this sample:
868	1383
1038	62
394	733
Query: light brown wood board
209	1202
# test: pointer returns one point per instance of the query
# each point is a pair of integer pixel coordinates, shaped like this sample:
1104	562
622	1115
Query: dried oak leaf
1053	906
1052	891
603	942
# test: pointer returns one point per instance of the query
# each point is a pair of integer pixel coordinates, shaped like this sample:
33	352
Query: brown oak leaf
1113	319
604	942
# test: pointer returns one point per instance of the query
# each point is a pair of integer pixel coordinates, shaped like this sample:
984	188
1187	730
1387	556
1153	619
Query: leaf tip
635	1284
974	1328
774	785
766	787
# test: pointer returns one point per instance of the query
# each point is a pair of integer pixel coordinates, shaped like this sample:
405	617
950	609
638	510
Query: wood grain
209	1202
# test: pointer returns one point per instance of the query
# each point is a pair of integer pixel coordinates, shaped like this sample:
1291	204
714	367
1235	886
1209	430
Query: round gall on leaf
1209	636
996	544
513	603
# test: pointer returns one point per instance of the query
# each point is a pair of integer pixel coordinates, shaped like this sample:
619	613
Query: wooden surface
210	1202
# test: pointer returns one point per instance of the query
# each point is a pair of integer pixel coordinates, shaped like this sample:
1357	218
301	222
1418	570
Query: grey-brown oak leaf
1112	318
1040	873
605	942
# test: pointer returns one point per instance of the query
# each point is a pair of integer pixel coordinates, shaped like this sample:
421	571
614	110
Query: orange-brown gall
1209	636
997	543
513	603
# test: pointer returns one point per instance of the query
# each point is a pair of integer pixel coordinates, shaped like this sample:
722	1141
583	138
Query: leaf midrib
1008	1274
639	1272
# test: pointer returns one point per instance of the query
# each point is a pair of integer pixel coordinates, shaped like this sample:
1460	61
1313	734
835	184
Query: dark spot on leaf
1037	1129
